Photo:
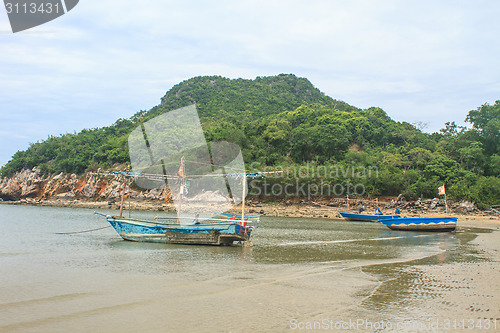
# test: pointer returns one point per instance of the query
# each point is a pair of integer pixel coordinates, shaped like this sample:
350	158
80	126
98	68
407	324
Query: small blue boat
208	232
207	179
249	217
366	217
422	223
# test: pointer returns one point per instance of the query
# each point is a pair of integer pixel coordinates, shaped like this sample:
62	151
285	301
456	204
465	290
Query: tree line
284	122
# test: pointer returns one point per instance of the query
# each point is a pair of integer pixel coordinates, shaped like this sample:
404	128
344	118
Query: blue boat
422	223
249	217
208	232
202	182
366	217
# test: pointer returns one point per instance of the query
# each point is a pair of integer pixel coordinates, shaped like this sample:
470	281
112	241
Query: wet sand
286	282
268	298
461	292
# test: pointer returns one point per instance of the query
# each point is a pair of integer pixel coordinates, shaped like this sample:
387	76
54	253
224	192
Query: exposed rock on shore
33	186
95	190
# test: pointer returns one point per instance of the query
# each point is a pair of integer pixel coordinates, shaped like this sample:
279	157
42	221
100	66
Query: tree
486	191
486	121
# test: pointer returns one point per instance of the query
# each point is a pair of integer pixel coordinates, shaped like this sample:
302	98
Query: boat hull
422	224
249	217
366	217
220	233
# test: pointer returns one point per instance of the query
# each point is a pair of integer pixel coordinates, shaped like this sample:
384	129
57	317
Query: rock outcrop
103	189
33	184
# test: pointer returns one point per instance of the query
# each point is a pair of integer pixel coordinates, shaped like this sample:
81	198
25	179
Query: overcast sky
428	61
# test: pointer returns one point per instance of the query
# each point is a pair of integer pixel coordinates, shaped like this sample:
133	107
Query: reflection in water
431	286
313	240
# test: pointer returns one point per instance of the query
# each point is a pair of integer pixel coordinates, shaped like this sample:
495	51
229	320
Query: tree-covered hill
285	122
226	107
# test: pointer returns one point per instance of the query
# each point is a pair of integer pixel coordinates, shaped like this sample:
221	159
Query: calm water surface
299	272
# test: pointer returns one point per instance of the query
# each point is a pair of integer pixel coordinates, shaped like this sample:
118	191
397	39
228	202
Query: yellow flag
441	190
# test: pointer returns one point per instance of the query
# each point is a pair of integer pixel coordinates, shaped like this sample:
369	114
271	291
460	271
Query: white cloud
427	60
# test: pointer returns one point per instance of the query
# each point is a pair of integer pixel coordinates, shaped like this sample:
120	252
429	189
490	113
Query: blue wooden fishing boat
202	231
422	223
206	181
366	217
249	217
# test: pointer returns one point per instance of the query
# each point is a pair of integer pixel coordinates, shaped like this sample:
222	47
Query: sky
421	61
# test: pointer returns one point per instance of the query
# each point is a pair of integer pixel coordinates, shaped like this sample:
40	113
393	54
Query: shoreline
273	209
53	282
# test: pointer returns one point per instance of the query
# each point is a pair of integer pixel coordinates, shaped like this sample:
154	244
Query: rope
154	176
80	232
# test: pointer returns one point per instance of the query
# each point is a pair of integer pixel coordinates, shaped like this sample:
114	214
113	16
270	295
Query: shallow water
300	273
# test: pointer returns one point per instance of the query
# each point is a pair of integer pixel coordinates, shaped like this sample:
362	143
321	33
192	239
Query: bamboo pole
129	208
181	189
181	173
123	196
445	204
243	198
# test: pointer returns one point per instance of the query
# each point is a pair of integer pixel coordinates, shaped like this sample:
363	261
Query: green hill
228	109
285	122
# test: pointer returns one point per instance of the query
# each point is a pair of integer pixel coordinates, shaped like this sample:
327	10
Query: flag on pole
180	173
441	190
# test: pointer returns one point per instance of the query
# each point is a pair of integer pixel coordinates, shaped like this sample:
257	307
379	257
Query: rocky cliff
34	186
100	190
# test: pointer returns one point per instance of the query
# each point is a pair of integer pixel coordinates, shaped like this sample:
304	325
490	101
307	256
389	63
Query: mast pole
243	198
445	204
123	195
181	188
441	191
129	207
180	202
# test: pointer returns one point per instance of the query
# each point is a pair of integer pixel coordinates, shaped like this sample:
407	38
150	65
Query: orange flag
441	190
181	168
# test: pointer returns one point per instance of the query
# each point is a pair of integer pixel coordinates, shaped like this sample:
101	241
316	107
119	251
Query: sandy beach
300	272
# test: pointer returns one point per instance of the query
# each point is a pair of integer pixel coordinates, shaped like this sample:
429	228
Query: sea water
301	274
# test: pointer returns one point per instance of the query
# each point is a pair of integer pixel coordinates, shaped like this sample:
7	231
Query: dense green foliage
284	122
